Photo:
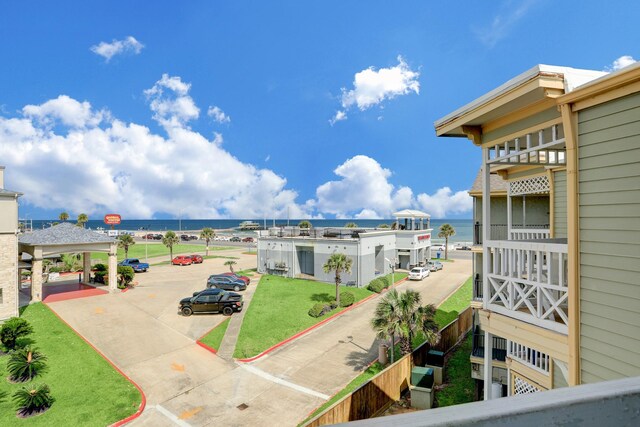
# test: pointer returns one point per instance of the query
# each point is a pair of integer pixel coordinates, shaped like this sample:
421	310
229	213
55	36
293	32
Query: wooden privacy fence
377	394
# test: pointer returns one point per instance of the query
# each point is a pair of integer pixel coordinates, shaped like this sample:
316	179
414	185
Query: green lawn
279	309
455	304
458	385
157	249
88	391
203	257
248	272
365	376
214	337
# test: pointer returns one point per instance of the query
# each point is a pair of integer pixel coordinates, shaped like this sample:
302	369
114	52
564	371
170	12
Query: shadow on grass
321	297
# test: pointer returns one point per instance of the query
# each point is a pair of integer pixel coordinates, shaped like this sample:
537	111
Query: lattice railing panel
521	386
534	185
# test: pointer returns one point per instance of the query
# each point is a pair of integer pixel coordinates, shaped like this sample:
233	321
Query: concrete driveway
143	334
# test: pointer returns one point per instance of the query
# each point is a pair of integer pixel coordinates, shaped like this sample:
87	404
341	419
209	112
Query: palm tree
25	363
63	216
207	234
338	263
230	263
124	242
82	220
446	231
304	224
351	225
169	240
386	320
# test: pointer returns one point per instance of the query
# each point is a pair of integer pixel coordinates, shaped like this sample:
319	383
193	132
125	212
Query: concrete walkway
143	334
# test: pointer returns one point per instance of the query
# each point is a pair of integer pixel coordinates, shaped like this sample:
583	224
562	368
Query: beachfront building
8	250
301	252
557	290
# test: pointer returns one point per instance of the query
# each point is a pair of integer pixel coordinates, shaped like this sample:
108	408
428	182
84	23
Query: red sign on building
424	237
112	219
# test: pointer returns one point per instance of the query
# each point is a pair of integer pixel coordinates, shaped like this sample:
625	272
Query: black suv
226	282
211	301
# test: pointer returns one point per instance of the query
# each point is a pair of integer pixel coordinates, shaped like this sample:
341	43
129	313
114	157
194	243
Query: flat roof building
302	252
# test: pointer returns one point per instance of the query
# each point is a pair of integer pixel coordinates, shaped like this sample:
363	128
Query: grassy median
158	249
214	337
88	391
280	308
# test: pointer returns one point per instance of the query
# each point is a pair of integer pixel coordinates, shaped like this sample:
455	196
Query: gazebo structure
413	220
66	238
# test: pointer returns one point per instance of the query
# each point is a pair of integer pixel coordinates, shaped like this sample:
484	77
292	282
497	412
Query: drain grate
242	406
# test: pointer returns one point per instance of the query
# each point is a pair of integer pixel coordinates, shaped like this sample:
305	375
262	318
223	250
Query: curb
143	401
311	328
206	347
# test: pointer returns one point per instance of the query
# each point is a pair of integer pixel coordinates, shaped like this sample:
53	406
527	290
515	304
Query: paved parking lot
143	334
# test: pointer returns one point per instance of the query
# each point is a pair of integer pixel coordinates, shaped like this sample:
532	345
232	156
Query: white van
418	273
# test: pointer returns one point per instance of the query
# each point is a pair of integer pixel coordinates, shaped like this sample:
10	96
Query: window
1	298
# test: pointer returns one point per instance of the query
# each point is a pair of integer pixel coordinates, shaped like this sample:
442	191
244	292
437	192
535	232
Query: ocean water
463	227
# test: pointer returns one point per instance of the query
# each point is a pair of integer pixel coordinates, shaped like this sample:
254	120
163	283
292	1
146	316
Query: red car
196	259
248	240
182	260
245	279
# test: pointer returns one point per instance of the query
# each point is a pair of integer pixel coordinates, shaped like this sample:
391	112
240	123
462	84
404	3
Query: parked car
418	273
211	301
196	259
434	265
149	236
438	248
248	240
463	248
235	239
226	282
184	237
157	237
134	263
245	279
182	260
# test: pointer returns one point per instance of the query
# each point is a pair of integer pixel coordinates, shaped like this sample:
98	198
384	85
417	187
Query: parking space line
177	421
282	382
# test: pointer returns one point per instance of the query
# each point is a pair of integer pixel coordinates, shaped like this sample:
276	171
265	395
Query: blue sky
211	109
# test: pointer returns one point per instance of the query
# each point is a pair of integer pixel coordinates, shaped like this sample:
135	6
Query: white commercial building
300	252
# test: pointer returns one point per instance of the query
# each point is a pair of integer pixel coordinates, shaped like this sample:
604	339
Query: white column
86	267
486	226
36	280
113	268
509	212
488	367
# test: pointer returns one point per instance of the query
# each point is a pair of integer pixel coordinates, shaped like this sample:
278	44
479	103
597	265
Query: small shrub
13	329
377	285
317	310
32	400
332	304
346	299
25	364
26	273
125	276
55	269
100	267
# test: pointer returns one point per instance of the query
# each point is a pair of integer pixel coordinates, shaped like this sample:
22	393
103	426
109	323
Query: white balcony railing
529	233
544	146
528	281
529	357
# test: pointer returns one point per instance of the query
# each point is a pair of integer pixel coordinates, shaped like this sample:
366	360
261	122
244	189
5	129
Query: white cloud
364	192
510	13
445	202
371	87
127	168
175	108
67	111
622	62
117	47
218	115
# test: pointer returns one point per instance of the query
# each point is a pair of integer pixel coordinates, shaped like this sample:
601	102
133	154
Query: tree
71	262
386	320
401	314
304	224
63	216
351	225
34	399
338	263
13	329
82	220
207	234
446	231
25	363
169	240
125	241
230	264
